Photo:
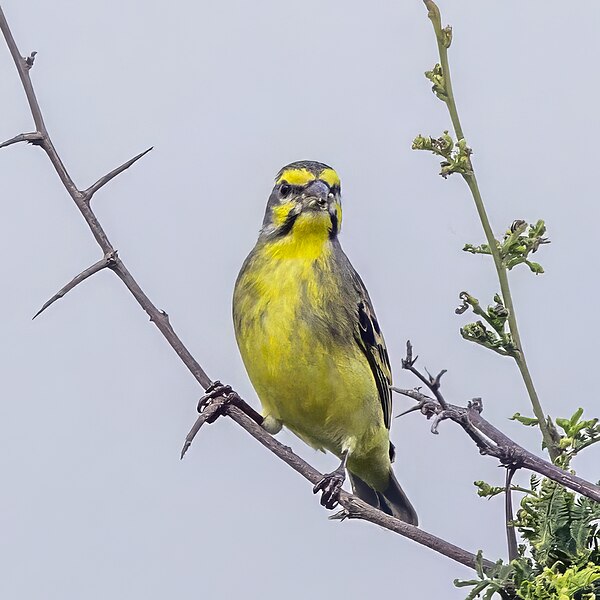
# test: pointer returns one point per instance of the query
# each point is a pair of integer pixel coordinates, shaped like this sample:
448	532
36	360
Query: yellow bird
311	343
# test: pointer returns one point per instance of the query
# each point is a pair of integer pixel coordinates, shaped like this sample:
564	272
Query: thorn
34	138
341	515
106	261
209	415
162	315
87	194
29	60
476	404
409	410
435	382
409	361
185	448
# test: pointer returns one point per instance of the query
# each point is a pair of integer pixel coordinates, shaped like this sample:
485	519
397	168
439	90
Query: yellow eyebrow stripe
303	176
330	177
296	176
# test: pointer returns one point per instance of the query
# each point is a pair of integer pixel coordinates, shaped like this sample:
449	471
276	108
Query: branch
490	440
32	138
433	383
105	262
81	198
354	507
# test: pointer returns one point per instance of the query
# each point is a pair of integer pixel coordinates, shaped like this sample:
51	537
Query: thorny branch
353	506
489	440
81	198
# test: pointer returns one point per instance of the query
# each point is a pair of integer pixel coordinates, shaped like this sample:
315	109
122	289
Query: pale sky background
95	405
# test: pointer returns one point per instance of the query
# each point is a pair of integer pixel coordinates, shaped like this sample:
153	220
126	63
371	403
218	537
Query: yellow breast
298	347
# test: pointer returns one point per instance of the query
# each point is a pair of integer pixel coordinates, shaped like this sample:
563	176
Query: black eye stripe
334	225
285	188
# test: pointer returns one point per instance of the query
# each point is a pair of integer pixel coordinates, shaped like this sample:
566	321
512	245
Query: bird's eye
285	189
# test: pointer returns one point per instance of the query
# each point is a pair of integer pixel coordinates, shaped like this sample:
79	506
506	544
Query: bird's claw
330	487
340	515
217	390
214	390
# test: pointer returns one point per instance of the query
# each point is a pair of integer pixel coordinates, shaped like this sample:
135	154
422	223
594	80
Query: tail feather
392	500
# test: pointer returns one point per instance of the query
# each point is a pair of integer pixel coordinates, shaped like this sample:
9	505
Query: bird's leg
331	484
217	390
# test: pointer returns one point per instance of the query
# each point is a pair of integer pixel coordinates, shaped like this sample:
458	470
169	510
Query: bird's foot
330	487
214	390
217	390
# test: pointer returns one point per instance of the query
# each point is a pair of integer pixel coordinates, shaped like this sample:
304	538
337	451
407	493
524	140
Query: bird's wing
370	339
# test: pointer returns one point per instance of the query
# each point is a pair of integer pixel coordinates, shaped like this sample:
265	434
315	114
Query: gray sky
95	405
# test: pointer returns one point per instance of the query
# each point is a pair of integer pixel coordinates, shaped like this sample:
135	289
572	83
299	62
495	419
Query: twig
490	440
443	38
506	450
204	417
101	264
104	180
433	383
511	536
32	138
522	458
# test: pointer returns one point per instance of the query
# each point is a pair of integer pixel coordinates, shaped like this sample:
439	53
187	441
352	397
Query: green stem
518	488
443	38
583	447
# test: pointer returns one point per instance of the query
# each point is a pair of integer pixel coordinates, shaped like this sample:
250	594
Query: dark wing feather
370	339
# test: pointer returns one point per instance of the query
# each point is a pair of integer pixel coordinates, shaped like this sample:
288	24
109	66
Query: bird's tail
392	500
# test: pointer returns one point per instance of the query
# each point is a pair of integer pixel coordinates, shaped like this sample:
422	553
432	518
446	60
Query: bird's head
304	202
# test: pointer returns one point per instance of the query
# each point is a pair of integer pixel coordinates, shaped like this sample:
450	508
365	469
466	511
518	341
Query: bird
311	343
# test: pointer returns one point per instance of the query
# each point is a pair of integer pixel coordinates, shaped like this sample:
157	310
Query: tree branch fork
489	440
226	402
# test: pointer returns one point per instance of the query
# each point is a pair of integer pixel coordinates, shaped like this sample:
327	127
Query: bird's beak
315	196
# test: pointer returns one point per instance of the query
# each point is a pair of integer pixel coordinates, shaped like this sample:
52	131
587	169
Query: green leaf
528	421
485	490
456	154
535	267
436	76
576	416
